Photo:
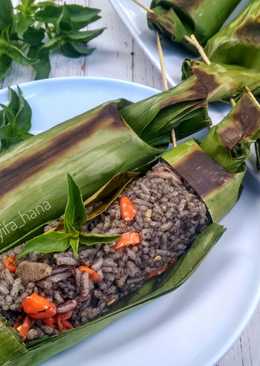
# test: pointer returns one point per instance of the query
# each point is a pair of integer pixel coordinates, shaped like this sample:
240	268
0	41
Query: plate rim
78	78
251	309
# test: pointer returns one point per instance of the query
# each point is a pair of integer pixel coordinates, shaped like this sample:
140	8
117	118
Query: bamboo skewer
252	96
190	39
145	8
164	79
233	102
195	43
162	63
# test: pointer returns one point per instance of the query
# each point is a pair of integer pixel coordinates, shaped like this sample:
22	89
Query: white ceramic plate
196	324
134	18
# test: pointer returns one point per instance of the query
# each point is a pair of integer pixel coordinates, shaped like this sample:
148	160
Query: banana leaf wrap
93	147
218	182
179	18
111	139
222	81
22	355
220	157
184	103
238	43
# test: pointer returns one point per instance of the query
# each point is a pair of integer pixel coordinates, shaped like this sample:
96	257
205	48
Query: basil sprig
33	29
72	236
15	119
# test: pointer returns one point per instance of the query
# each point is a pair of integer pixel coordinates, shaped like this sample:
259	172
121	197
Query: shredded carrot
10	263
50	322
64	324
60	323
126	239
67	325
24	328
38	307
127	209
66	316
63	321
94	276
157	272
49	313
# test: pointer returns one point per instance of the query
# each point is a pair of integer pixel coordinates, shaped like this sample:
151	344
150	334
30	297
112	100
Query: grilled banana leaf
93	147
238	43
215	167
222	81
179	18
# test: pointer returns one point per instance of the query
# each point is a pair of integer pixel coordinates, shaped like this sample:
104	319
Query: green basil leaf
5	64
8	116
52	43
24	114
64	22
75	212
69	51
22	23
84	36
92	239
18	112
42	66
74	244
82	49
34	36
75	49
15	120
2	118
11	135
49	14
82	15
15	53
14	103
49	242
6	14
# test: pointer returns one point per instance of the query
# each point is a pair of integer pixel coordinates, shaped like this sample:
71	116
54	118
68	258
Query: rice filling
167	217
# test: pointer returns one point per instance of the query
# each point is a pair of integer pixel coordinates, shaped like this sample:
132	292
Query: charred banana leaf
239	42
215	167
222	81
93	147
179	18
154	118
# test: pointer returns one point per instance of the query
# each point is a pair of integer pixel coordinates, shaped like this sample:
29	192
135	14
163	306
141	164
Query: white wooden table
118	56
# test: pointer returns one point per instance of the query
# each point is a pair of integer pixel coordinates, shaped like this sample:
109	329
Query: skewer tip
162	62
195	43
145	8
252	96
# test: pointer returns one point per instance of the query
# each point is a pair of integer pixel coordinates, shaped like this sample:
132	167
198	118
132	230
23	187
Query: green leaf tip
75	212
15	120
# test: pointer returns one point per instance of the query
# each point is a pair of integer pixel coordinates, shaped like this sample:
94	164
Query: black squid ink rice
168	217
